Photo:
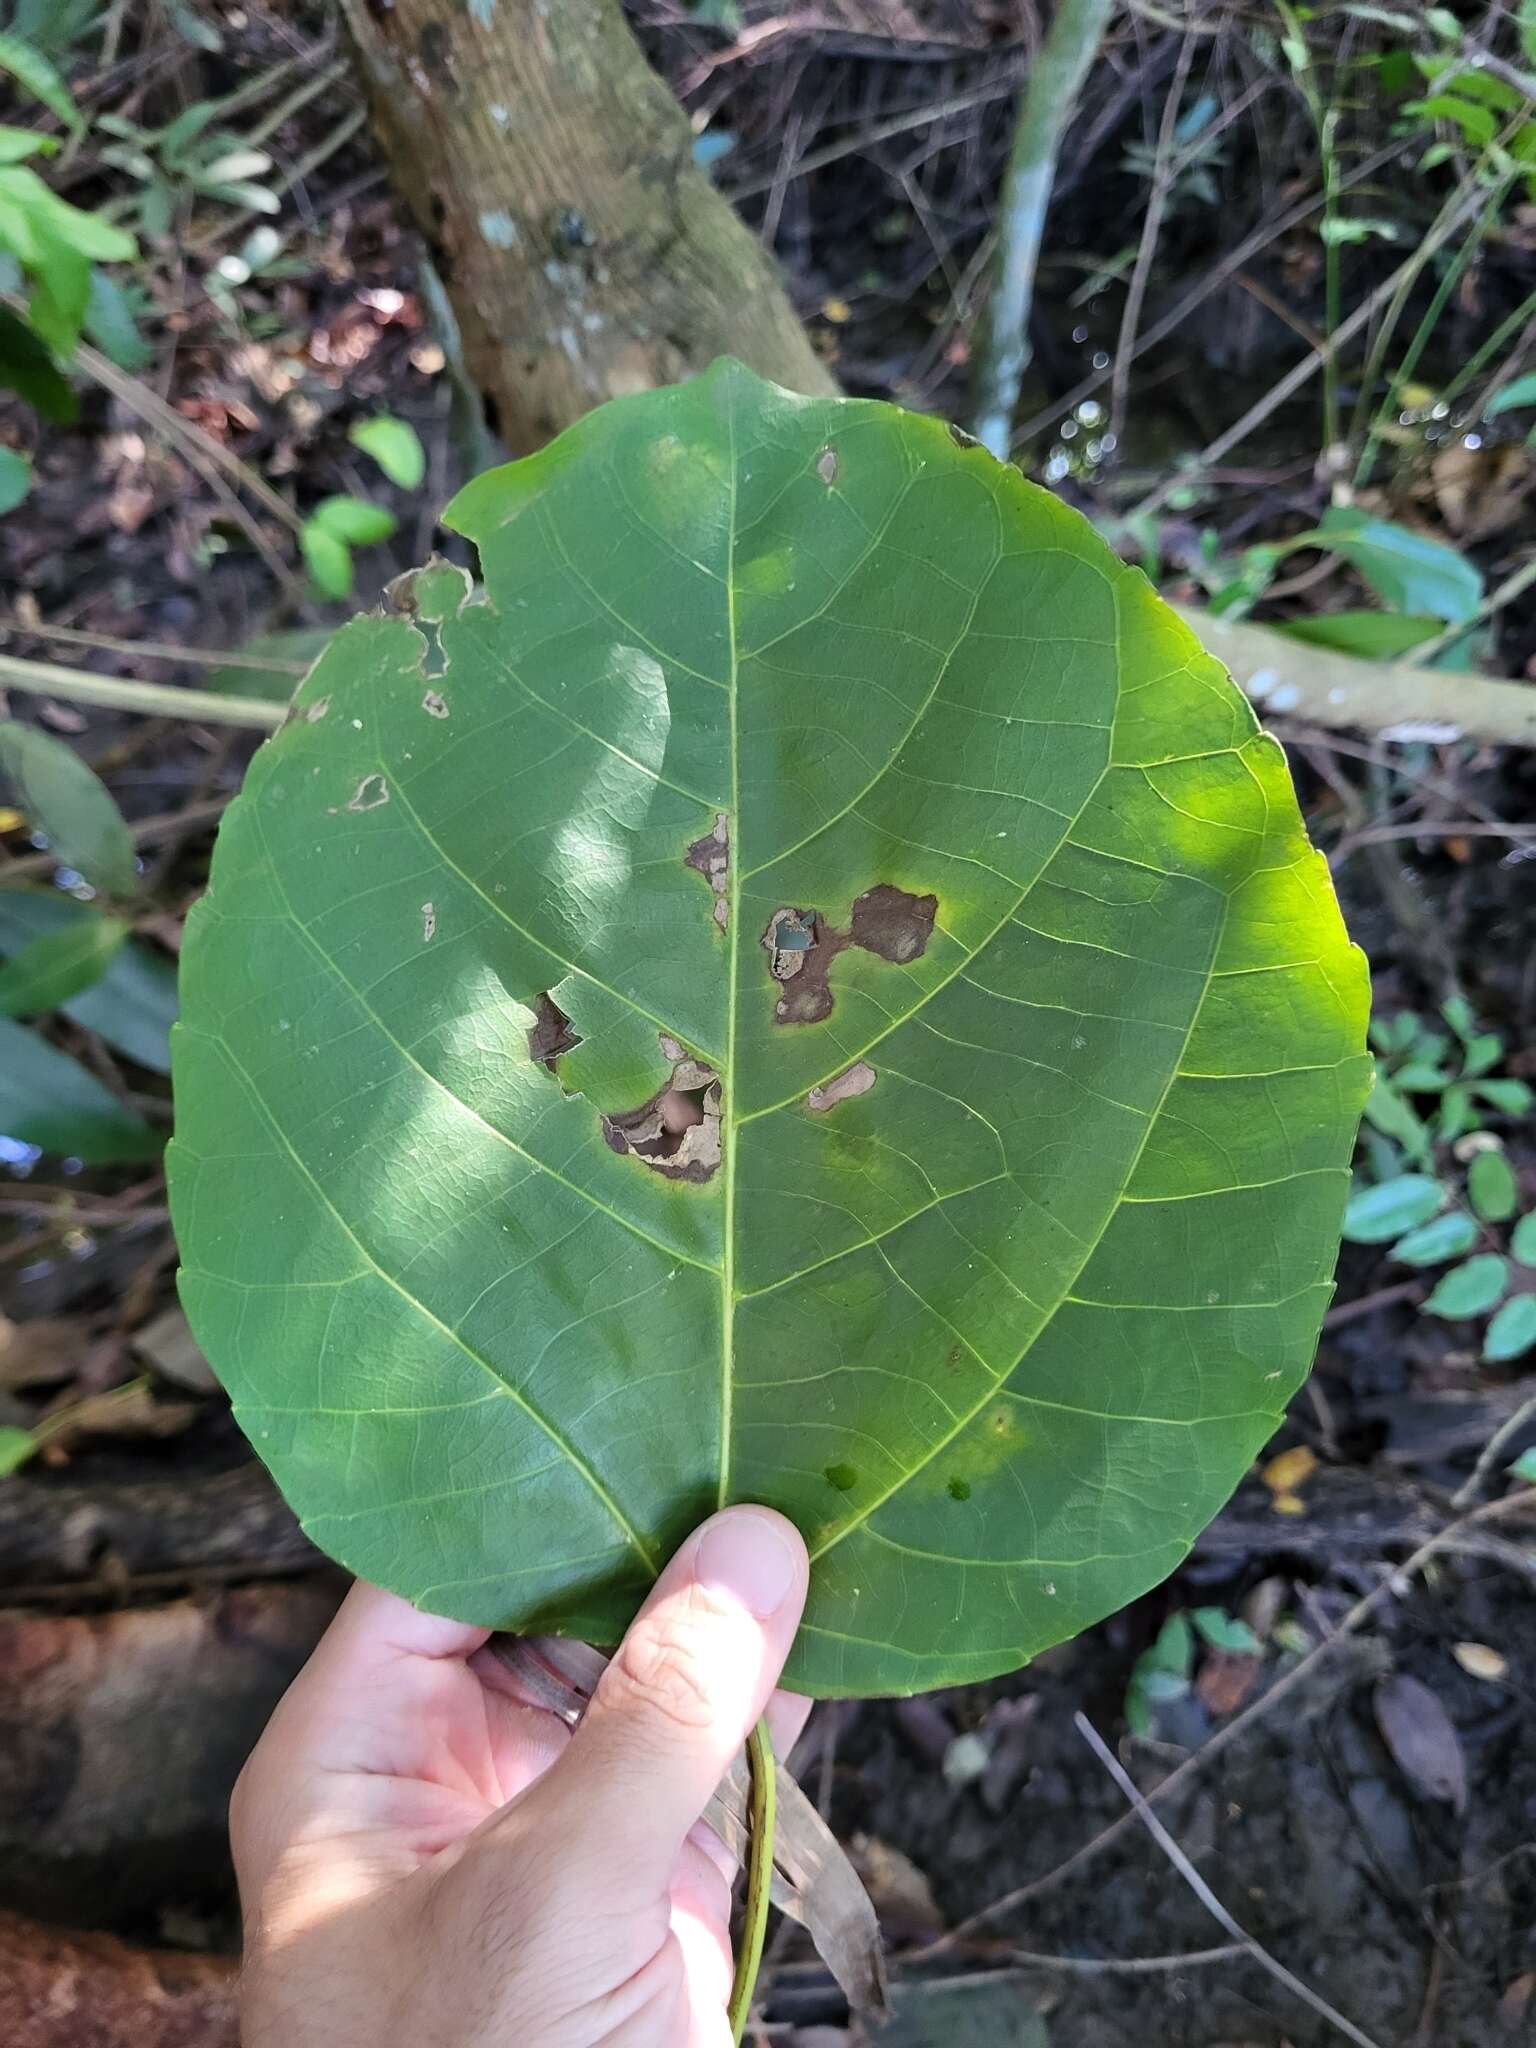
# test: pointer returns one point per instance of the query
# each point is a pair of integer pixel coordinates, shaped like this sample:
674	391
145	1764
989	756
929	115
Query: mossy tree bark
584	251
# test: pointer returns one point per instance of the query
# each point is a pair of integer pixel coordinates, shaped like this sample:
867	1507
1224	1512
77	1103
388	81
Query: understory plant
810	988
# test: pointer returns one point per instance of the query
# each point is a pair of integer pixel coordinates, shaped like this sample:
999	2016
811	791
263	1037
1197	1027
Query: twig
1177	1780
1165	170
149	405
1045	107
1396	700
1260	239
157	650
1127	1966
866	138
1488	1457
1429	828
1205	1895
1505	593
159	700
1308	367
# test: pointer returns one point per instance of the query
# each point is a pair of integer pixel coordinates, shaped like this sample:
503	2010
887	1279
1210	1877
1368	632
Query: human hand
426	1860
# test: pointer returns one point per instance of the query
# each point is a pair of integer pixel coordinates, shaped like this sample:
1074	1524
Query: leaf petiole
754	1926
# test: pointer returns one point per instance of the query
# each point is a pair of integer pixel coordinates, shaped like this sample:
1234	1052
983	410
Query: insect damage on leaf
889	922
369	794
893	924
827	465
676	1133
551	1032
855	1080
711	857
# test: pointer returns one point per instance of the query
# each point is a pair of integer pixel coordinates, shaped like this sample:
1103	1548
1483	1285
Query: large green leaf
1004	1231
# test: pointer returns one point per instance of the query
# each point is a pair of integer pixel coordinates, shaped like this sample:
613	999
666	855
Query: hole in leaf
551	1032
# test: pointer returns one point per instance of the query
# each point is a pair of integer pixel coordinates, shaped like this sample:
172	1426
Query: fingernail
749	1557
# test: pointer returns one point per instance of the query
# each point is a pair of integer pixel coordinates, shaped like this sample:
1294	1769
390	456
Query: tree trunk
552	173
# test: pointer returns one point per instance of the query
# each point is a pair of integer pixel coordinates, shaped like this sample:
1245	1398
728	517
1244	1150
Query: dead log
120	1739
68	1533
552	173
61	1990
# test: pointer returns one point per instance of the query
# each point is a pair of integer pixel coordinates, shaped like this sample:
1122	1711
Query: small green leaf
1390	1113
1477	124
1512	1331
1457	1012
112	323
1483	1051
48	971
1524	1466
17	144
29	370
1510	1098
1377	1215
16	1447
394	446
1446	1237
1521	391
33	72
1457	1114
1226	1631
49	1100
329	559
1470	1289
1420	1077
1374	636
1522	1240
65	799
353	520
1407	571
1492	1187
132	1006
15	478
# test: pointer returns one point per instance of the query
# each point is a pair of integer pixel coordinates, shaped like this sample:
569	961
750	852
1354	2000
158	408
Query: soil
1394	1873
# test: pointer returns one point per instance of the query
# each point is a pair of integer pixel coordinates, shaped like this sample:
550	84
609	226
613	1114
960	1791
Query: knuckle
658	1677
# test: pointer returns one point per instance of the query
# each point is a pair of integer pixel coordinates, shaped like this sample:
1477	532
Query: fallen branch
158	700
1393	699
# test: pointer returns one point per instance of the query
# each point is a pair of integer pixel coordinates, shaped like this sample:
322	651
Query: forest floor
1360	1794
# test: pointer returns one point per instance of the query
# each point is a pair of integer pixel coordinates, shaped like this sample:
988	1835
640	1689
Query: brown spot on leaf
676	1133
828	463
855	1080
551	1032
961	438
434	705
894	924
801	947
711	857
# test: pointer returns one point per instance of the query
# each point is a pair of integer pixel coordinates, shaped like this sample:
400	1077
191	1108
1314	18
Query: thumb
678	1700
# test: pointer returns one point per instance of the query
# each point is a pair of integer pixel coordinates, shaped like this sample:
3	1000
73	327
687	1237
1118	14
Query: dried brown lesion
710	856
801	945
677	1132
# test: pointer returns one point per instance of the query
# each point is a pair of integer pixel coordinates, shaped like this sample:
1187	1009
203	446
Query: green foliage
1374	636
49	1100
1415	1061
132	1002
1424	582
332	530
15	478
55	245
1519	392
394	446
188	159
63	798
16	1447
1524	1466
805	758
36	74
49	970
1160	1673
1470	1289
1492	1188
